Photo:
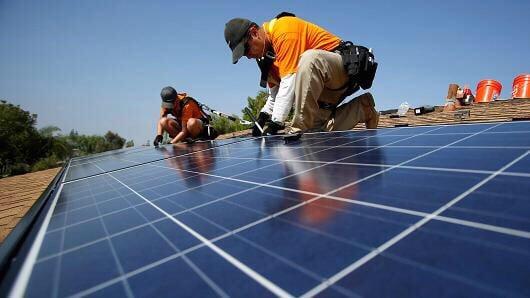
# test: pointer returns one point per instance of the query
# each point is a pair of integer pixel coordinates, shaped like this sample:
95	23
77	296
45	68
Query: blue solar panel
413	211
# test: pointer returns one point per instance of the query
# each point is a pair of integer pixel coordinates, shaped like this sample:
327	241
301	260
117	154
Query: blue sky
99	65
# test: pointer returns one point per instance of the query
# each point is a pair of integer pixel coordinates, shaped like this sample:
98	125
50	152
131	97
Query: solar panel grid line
277	216
504	246
457	221
139	164
473	224
298	267
437	272
184	179
403	234
131	189
483	226
127	287
516	174
22	279
242	173
106	238
267	251
109	191
453	125
247	270
214	240
261	184
163	260
223	198
154	200
184	252
113	177
290	189
394	128
69	250
66	170
207	280
427	146
103	154
191	249
463	222
57	273
79	208
185	154
88	162
454	142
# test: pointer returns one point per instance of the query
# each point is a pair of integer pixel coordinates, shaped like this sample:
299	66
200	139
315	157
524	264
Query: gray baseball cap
236	36
168	95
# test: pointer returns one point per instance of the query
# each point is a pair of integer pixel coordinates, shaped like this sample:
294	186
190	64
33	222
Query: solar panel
412	211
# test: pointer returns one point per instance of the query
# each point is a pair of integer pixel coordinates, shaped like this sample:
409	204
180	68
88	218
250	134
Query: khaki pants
320	73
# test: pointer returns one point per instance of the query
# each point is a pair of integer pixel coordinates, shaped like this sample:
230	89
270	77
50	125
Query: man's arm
182	135
159	128
284	98
269	105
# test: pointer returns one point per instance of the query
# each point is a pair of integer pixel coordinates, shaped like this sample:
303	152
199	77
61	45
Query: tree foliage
255	104
20	143
24	148
224	125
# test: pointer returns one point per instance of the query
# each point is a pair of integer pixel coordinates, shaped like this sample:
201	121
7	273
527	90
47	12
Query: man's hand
273	127
262	119
158	139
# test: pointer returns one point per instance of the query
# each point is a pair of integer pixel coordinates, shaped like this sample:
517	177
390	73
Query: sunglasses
247	47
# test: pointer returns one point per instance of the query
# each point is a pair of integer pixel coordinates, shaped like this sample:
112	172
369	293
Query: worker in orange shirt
182	117
304	65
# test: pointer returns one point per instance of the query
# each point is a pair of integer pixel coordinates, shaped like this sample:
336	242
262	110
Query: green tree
255	104
114	141
49	131
129	144
20	143
224	125
55	145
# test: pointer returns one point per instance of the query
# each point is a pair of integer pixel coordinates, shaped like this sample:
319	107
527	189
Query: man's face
255	44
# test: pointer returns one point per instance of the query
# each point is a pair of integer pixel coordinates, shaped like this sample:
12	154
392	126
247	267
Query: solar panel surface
420	211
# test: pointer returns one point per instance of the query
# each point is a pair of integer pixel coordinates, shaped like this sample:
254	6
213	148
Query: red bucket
521	86
488	90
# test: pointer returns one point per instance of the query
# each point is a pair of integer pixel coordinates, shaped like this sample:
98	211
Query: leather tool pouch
359	63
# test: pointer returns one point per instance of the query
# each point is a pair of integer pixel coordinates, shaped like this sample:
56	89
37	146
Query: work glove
273	127
262	119
158	139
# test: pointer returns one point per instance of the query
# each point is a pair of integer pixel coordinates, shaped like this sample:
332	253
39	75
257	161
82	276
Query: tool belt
359	63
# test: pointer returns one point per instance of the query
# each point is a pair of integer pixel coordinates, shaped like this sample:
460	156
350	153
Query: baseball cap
168	95
236	36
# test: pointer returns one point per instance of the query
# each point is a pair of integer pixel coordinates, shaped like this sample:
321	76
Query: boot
370	113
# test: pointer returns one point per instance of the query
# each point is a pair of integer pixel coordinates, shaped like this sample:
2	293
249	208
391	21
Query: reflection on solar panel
420	211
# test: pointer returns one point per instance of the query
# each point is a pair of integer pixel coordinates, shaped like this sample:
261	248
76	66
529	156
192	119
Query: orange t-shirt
291	37
190	110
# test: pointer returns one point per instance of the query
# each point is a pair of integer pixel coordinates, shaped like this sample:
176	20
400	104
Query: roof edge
10	250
